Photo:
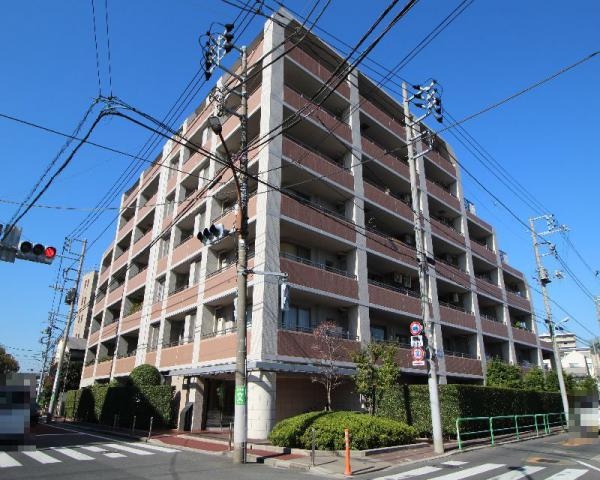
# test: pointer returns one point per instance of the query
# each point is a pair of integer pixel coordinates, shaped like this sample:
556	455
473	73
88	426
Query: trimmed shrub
410	404
145	375
287	433
366	431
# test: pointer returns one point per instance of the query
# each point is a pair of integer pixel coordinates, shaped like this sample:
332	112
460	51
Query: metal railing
460	308
402	290
453	353
340	333
511	424
318	265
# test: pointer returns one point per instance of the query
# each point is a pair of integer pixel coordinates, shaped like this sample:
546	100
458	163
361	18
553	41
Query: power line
96	44
108	48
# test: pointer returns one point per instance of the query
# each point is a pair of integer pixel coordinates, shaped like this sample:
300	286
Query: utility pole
215	48
65	339
424	273
544	280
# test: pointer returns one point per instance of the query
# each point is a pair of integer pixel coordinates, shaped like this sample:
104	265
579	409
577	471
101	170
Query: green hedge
366	431
100	404
410	404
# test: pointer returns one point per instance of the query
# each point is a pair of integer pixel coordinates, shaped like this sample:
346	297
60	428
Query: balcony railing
127	354
318	265
178	342
382	188
491	318
460	308
314	204
223	331
338	332
453	353
395	288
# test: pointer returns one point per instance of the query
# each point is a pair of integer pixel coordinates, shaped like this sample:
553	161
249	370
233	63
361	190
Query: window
295	251
226	259
378	334
297	318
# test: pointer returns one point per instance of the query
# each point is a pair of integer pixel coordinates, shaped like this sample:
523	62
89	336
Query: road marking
454	463
154	447
588	465
410	474
92	448
568	474
114	455
469	472
7	461
73	454
41	457
518	473
118	446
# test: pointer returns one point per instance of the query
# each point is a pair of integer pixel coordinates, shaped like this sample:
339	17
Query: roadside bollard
313	441
347	469
133	425
115	422
230	434
150	429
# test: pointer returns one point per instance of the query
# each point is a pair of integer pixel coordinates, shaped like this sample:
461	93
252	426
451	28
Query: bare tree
328	348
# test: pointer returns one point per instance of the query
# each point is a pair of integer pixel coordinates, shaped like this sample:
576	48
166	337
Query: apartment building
85	302
338	222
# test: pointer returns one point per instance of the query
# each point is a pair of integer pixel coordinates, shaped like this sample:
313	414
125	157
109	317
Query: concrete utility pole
65	339
424	277
216	47
544	280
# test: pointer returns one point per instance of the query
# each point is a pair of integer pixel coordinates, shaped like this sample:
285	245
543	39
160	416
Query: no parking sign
416	328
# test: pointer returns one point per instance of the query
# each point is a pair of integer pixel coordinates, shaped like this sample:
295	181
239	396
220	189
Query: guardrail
517	425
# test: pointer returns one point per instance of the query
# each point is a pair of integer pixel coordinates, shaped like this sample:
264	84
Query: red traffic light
50	252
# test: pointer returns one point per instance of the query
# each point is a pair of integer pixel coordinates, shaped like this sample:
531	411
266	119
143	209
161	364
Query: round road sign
416	328
418	353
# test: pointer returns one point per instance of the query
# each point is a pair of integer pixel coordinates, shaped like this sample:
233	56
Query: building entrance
219	408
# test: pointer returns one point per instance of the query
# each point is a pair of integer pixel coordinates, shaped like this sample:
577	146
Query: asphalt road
66	454
556	457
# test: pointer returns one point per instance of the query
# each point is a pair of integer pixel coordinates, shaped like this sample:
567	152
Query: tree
145	374
504	375
552	384
585	384
8	363
376	373
328	348
534	379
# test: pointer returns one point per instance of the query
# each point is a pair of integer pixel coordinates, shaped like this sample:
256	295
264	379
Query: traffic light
212	234
36	252
284	289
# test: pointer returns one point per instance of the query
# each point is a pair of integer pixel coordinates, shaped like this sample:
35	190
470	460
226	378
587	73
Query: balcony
93	338
153	170
186	248
142	243
220	345
463	365
455	315
223	279
300	344
88	371
442	194
518	301
103	368
319	164
148	207
306	213
161	264
317	114
392	124
475	219
319	277
312	65
126	228
393	297
176	355
388	201
388	159
115	295
391	247
404	357
483	251
124	365
232	122
156	309
493	327
109	331
131	321
137	281
524	336
104	273
120	261
182	299
486	287
98	304
513	271
447	232
453	273
435	158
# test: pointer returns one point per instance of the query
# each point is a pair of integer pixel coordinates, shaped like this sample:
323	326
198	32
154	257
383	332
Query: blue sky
545	138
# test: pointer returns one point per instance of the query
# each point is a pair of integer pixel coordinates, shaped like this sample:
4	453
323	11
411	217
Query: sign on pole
416	328
416	341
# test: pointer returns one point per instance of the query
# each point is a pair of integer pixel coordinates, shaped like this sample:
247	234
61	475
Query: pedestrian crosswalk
80	453
459	470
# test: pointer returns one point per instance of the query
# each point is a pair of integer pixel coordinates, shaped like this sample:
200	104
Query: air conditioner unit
407	281
454	298
406	197
397	277
408	239
448	257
